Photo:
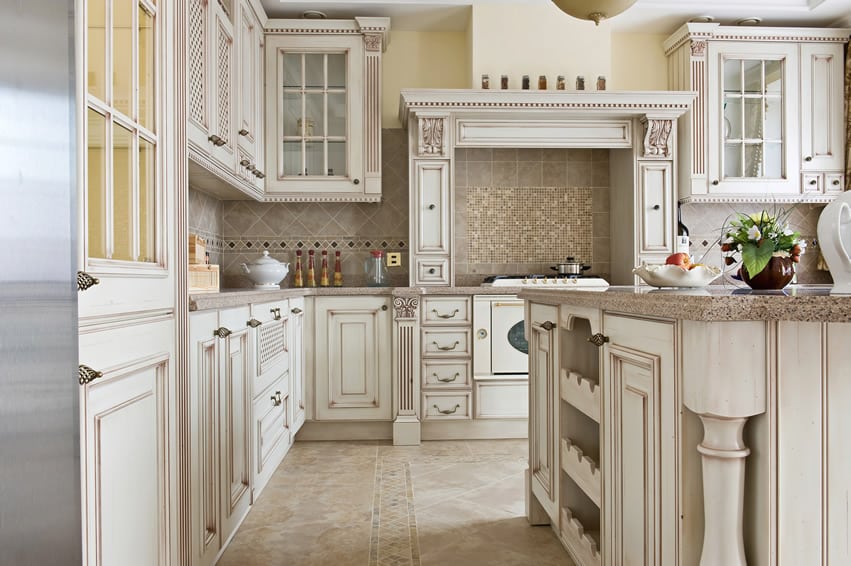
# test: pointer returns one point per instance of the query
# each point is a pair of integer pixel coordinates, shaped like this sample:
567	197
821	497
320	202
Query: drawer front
271	429
454	311
432	271
502	398
273	310
834	183
811	183
447	406
272	356
446	374
444	343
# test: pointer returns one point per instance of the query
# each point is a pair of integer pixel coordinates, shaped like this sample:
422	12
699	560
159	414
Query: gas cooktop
547	281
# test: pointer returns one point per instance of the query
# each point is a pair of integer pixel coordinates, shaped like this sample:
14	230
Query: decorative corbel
372	41
431	136
698	47
406	307
657	136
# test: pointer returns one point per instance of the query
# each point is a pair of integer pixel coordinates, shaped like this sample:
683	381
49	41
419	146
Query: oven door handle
518	304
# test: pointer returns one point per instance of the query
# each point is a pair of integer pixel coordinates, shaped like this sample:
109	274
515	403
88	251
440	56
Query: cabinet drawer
271	434
432	271
453	311
811	183
440	342
446	374
265	312
502	398
447	405
834	183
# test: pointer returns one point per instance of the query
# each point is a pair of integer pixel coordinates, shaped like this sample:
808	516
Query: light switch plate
394	259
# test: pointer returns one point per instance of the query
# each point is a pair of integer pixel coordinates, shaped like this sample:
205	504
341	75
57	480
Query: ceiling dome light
594	10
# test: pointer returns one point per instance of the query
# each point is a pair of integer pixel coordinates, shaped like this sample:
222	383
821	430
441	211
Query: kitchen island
702	426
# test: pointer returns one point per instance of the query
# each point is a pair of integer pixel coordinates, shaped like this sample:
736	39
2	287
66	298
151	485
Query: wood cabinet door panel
822	75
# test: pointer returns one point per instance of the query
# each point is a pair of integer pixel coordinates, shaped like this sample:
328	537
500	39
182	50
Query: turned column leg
723	452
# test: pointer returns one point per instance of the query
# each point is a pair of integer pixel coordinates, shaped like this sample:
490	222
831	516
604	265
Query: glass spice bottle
542	82
503	82
298	278
601	83
580	82
486	82
311	270
525	82
323	273
338	270
560	82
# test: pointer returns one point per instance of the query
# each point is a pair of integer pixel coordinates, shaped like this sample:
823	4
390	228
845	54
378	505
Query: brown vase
776	275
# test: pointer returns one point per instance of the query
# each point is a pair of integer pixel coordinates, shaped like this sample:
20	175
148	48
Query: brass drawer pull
598	339
447	379
243	132
222	332
85	374
277	400
446	348
296	310
547	325
447	411
85	281
445	315
253	323
277	312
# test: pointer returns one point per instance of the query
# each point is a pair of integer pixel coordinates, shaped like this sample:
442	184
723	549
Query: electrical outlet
394	259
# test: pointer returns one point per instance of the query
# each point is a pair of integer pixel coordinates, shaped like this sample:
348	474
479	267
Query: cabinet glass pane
122	193
774	76
733	75
292	70
337	70
122	55
314	109
315	158
96	184
752	71
314	70
773	167
753	165
146	69
96	47
337	114
733	118
753	118
292	114
292	158
337	158
733	160
773	119
147	200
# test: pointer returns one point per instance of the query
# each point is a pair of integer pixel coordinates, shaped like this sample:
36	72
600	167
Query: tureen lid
265	259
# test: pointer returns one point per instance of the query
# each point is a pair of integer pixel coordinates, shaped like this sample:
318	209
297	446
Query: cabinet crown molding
717	32
355	26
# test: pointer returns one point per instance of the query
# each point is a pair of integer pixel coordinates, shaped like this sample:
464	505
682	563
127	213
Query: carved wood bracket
431	137
372	41
698	48
406	307
657	137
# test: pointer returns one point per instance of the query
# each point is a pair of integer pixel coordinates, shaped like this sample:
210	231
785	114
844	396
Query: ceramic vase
776	275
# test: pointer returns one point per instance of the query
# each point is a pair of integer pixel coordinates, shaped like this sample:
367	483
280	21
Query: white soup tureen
266	272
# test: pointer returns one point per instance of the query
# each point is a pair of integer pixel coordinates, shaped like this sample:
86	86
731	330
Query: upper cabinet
766	124
323	108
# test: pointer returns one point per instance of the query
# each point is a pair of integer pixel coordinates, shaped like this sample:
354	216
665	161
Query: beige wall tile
505	173
530	174
579	174
479	173
554	174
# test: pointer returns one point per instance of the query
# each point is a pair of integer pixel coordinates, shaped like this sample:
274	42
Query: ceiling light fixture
594	10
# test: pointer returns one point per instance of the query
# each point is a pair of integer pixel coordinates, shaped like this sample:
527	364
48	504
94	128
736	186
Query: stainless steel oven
500	346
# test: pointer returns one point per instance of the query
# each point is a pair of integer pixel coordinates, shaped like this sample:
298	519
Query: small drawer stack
447	328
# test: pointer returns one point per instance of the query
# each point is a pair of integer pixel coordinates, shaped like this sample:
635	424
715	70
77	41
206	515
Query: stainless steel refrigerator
39	422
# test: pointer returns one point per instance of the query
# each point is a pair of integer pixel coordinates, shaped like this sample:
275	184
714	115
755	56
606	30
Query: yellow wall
639	62
422	60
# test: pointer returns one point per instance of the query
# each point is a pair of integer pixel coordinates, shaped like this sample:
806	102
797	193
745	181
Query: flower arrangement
758	237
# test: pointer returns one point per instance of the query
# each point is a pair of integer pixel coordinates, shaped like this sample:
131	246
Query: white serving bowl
266	272
676	276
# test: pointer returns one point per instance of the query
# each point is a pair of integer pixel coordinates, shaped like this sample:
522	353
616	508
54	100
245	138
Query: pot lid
265	259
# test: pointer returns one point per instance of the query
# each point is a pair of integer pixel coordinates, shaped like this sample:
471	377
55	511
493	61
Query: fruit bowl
676	276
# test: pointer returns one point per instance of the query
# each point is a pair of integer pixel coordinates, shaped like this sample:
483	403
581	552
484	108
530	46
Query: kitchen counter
804	303
237	297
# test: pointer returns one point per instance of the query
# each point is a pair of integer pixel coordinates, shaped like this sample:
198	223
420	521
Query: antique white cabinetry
298	401
431	223
446	354
353	354
221	425
249	115
323	100
767	121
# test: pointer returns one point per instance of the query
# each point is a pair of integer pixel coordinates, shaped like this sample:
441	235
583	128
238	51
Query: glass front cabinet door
324	128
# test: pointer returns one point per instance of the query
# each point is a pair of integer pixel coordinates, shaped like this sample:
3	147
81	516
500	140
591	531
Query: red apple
679	259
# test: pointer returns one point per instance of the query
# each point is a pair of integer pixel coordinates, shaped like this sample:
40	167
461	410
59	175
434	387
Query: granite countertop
808	303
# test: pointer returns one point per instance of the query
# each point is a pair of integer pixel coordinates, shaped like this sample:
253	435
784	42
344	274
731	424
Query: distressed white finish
431	221
501	397
296	335
407	378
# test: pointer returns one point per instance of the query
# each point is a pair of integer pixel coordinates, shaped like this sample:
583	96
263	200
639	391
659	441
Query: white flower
788	231
728	240
739	247
754	233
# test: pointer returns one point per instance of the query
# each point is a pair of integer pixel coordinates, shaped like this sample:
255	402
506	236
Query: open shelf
582	470
583	545
582	393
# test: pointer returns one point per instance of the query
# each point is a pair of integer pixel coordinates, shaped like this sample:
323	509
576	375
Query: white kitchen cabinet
249	113
298	400
271	358
766	124
352	364
430	216
656	208
323	100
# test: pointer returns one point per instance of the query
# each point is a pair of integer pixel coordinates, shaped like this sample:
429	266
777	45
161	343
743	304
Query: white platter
675	276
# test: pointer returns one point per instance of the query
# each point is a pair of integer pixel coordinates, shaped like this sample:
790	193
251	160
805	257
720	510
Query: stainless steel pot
570	267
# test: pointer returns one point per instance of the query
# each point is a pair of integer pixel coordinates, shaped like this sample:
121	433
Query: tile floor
453	503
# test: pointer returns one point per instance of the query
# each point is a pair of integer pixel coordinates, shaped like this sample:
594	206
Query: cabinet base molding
406	431
348	430
491	429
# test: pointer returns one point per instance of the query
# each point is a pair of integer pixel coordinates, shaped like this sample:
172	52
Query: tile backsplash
205	220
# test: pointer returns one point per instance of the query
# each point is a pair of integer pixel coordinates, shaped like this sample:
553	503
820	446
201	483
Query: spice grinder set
542	82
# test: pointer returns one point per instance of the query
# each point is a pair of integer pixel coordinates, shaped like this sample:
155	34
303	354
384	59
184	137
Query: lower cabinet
297	373
352	365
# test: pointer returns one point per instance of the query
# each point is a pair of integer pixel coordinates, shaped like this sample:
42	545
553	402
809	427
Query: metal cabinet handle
656	207
813	181
447	348
222	332
251	167
835	182
253	323
356	181
296	310
384	307
447	411
547	325
276	312
808	158
445	315
244	162
277	400
447	379
259	174
85	374
85	281
715	182
215	139
598	339
431	207
432	271
243	132
481	333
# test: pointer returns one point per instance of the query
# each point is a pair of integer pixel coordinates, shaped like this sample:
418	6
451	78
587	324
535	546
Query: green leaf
756	257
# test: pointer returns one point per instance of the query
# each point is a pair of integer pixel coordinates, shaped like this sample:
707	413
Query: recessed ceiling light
749	21
313	15
702	20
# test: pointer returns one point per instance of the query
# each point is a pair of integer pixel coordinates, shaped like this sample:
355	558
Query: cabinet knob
547	325
715	182
384	307
656	207
835	182
214	138
251	167
276	312
432	271
808	158
481	334
598	339
85	374
277	399
813	181
243	132
259	174
431	207
85	281
296	310
244	162
356	181
253	323
222	332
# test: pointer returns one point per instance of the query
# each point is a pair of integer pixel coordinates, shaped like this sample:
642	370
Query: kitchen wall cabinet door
353	337
249	113
657	208
222	140
641	411
296	347
543	405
